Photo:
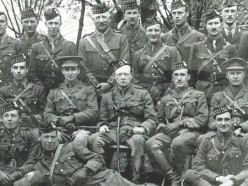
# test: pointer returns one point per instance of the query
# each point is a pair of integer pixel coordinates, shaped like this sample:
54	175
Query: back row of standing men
157	60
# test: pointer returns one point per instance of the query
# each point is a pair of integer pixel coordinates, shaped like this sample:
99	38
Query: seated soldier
30	97
182	115
19	146
235	95
73	103
131	108
70	164
222	158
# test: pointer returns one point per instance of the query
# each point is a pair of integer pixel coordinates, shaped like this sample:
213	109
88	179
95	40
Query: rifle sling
184	38
152	59
212	57
56	156
68	99
233	102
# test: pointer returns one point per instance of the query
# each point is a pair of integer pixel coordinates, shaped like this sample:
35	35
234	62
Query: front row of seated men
182	116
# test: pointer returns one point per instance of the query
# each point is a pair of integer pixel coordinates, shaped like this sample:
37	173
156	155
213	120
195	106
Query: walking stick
118	143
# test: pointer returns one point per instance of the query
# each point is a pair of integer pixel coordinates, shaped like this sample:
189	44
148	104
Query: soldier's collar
71	84
54	40
32	37
134	27
24	82
3	37
225	137
183	28
102	34
158	44
13	131
234	26
218	39
180	92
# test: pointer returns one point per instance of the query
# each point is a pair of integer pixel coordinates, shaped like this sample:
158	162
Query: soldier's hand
68	119
171	128
103	87
227	183
15	176
244	126
103	129
82	176
161	127
139	130
6	181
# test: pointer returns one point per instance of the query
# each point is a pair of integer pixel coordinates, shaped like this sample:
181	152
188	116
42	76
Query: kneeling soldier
222	158
19	147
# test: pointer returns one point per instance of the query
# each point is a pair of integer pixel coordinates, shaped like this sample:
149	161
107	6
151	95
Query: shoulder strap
56	156
98	51
106	48
68	99
30	85
212	57
184	38
50	56
151	61
215	148
235	104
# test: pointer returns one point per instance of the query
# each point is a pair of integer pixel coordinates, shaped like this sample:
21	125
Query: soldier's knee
137	139
178	143
34	178
191	176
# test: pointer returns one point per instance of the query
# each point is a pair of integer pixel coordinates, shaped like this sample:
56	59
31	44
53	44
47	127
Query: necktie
12	136
214	44
20	86
229	34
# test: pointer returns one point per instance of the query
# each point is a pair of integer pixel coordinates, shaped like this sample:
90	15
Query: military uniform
158	77
243	46
172	38
8	47
239	113
28	42
235	38
210	78
188	107
19	152
101	68
213	159
41	69
136	38
34	99
83	97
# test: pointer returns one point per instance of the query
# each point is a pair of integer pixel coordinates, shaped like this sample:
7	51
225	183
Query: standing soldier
8	47
222	158
234	96
73	103
102	49
30	97
126	115
43	68
182	36
152	64
30	36
207	57
229	13
19	146
182	115
132	29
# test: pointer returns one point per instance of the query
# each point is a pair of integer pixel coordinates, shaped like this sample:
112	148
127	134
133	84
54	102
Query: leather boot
136	164
166	167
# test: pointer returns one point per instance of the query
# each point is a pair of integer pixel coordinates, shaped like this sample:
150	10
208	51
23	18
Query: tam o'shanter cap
51	13
47	127
99	8
27	13
69	61
228	3
17	58
120	64
234	64
152	21
129	5
10	106
212	14
179	66
177	4
220	110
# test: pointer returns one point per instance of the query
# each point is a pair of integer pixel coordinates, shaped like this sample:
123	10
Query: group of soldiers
173	95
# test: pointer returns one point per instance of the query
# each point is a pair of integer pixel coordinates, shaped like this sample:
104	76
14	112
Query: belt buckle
225	172
154	80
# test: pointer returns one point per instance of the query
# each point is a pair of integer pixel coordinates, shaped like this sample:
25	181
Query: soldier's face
235	77
153	33
101	21
123	76
132	16
19	71
180	78
53	26
224	123
49	141
30	24
229	14
179	16
214	27
70	73
11	119
3	25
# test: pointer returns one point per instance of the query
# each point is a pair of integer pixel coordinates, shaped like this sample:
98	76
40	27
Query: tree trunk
81	22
